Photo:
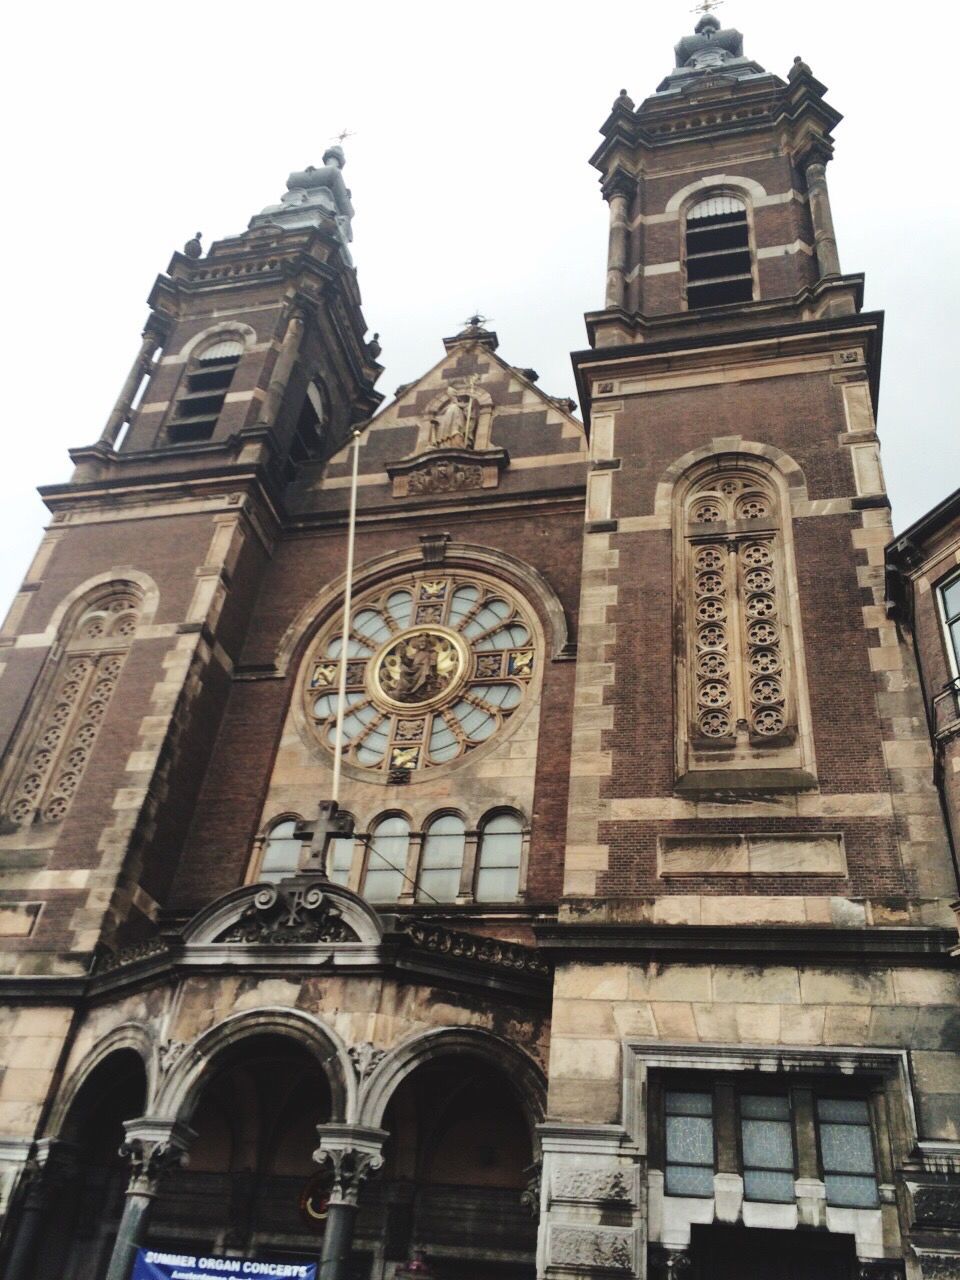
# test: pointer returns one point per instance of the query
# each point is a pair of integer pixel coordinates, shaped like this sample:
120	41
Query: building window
740	683
846	1152
307	439
498	859
441	860
719	264
80	689
385	874
766	1137
438	662
699	1134
340	859
690	1157
281	851
204	391
950	609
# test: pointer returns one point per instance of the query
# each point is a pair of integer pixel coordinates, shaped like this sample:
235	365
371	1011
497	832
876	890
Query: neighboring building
634	954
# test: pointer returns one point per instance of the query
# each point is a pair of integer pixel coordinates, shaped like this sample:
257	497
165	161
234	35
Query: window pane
281	853
438	886
955	639
774	1188
846	1148
850	1192
689	1133
501	844
441	860
843	1110
386	861
951	599
340	859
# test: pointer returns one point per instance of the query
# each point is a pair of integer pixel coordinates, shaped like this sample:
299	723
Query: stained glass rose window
437	662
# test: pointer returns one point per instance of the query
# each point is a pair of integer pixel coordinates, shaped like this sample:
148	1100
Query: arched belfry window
204	391
741	668
79	691
719	264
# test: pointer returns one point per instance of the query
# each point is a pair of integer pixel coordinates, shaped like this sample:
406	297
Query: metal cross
706	6
340	137
476	319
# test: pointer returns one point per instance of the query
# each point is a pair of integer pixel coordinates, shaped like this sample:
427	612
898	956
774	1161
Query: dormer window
205	390
718	258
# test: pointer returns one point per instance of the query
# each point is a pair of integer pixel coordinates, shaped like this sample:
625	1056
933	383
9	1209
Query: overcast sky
131	126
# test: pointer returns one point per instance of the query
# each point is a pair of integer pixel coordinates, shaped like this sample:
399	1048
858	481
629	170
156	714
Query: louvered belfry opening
719	265
206	386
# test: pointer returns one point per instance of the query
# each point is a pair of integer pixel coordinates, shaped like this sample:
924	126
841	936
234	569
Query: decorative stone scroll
475	947
353	1154
290	913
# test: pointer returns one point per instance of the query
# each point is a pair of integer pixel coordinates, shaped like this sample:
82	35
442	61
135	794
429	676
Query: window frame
697	198
951	653
174	419
255	868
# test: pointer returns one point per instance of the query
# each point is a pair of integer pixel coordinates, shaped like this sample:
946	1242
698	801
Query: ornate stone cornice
153	1147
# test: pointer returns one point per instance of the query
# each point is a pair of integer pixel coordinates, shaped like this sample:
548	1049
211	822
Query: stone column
353	1153
618	192
824	236
152	1147
153	336
49	1170
280	378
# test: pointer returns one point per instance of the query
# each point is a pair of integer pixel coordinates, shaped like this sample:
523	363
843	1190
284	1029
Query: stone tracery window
76	703
740	681
438	661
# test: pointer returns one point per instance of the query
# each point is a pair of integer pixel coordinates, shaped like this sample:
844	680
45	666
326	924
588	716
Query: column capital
153	1147
354	1153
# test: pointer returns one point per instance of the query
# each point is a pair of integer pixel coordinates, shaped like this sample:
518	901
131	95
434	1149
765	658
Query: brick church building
618	937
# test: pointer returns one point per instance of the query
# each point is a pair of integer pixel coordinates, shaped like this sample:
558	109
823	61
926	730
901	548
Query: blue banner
162	1264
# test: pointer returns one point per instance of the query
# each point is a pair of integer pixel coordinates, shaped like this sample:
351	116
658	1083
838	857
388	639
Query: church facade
554	879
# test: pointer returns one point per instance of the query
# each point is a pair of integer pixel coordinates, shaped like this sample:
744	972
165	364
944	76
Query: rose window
436	663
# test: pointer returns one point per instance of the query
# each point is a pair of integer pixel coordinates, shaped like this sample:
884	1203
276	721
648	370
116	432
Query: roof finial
706	6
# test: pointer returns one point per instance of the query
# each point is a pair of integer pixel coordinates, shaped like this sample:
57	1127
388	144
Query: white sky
130	126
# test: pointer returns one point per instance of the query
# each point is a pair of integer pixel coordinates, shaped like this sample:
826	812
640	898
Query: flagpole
345	634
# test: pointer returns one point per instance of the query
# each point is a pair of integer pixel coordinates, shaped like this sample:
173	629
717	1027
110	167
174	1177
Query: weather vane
706	6
340	137
477	319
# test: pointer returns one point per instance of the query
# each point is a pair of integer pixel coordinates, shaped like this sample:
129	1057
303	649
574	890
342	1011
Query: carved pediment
447	471
298	910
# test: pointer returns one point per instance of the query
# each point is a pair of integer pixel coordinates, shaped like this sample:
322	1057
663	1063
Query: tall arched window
499	858
385	874
94	651
340	858
718	259
308	433
740	662
204	391
281	851
441	860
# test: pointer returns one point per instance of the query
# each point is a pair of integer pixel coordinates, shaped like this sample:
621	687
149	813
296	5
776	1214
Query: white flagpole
345	635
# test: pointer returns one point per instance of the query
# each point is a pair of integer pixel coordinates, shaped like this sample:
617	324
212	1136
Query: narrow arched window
281	851
385	874
308	433
340	859
739	651
204	391
499	858
81	686
719	264
441	860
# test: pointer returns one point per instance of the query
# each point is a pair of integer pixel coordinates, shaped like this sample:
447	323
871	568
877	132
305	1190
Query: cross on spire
706	6
342	136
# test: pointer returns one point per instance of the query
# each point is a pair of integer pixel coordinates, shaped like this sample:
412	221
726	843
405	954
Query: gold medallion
419	669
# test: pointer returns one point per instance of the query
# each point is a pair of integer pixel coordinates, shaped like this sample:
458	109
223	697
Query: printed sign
163	1264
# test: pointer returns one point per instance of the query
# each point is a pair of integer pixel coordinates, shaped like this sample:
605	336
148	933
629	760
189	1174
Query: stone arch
399	1063
224	329
748	187
118	576
178	1094
129	1035
786	471
208	925
523	577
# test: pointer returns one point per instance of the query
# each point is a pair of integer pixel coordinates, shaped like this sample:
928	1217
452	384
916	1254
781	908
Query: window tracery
437	662
741	677
82	687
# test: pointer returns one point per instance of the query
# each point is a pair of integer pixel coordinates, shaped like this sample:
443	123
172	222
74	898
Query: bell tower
752	817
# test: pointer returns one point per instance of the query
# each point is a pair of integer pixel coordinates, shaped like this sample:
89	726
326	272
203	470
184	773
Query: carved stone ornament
290	913
169	1053
473	946
592	1185
937	1205
454	424
889	1269
595	1248
350	1168
365	1058
445	477
669	1264
530	1195
150	1159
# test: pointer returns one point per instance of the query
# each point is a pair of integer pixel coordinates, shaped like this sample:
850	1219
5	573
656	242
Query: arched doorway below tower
457	1162
256	1125
85	1202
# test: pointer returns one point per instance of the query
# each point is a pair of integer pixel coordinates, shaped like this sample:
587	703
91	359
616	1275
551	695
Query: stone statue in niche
454	425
